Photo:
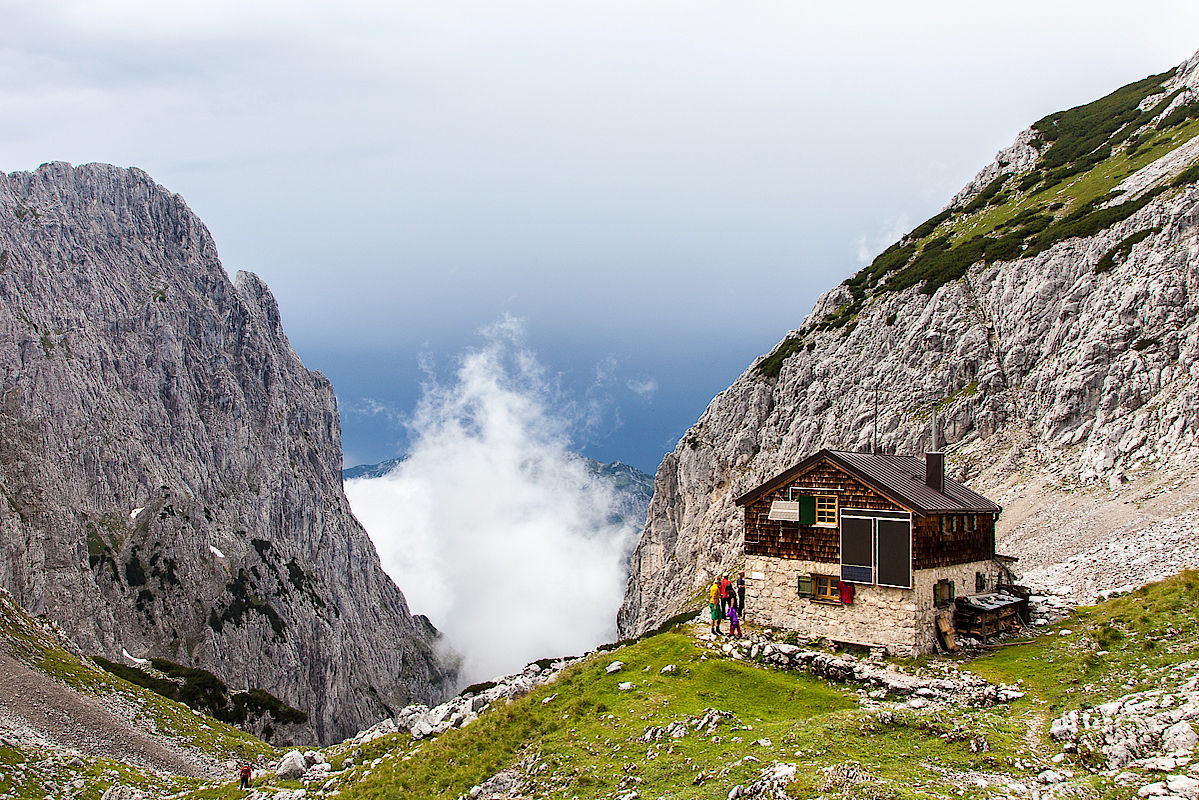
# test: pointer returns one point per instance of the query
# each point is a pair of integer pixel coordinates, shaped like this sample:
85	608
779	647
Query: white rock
615	666
1179	737
292	766
1050	776
1183	785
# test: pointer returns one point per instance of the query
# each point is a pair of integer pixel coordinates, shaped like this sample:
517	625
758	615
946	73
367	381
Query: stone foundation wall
900	620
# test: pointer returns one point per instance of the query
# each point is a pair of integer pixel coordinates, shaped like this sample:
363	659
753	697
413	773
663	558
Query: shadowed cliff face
135	375
1073	369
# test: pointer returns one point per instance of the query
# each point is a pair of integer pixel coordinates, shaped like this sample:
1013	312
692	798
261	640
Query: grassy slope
30	642
581	737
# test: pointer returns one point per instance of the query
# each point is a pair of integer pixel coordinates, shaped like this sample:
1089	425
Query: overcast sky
658	189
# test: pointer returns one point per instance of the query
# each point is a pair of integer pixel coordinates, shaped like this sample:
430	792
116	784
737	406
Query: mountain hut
866	549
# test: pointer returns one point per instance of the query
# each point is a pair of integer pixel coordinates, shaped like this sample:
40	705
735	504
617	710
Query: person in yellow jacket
714	606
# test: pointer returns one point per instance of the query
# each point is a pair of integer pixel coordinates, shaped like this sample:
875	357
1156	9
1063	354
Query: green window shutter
952	593
805	585
807	510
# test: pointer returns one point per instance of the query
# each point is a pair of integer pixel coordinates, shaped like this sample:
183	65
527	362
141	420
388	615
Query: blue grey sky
658	189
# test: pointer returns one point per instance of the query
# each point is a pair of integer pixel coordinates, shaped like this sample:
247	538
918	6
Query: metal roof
899	477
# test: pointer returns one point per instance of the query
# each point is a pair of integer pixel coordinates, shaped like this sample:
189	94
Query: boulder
292	766
1179	737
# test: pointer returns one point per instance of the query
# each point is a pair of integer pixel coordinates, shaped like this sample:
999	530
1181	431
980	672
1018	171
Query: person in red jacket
245	773
726	594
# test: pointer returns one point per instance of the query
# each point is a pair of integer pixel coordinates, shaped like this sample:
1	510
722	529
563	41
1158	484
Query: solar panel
784	510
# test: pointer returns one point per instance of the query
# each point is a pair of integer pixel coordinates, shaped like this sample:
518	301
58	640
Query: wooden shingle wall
941	544
776	539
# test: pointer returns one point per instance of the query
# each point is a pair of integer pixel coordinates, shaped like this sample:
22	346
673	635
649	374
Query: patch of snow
216	552
133	514
142	661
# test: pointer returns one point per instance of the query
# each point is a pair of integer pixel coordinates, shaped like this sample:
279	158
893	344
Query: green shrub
1120	251
1080	130
1030	180
201	690
926	227
772	365
984	197
477	688
1188	175
1179	115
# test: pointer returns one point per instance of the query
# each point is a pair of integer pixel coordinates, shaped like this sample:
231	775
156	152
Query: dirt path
33	705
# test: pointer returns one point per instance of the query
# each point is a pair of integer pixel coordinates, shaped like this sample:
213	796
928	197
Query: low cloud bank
491	526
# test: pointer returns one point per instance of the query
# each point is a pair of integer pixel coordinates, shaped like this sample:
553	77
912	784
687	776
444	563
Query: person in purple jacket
734	622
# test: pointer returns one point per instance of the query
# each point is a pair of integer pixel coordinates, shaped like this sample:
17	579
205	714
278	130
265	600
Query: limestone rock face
1040	364
170	470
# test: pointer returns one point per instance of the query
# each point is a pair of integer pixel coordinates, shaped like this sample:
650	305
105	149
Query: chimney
934	471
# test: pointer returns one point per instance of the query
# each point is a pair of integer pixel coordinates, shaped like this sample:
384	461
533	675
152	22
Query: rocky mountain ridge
1047	317
170	470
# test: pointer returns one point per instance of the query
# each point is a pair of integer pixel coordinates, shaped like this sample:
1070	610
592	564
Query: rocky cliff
170	470
1049	317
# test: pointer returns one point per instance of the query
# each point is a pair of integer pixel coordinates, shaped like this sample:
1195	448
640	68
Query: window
826	510
876	547
820	587
943	592
824	587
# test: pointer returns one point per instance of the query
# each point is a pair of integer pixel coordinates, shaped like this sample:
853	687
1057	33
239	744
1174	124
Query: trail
34	706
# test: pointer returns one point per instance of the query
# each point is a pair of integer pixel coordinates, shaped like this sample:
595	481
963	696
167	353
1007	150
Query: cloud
491	526
370	407
867	247
646	388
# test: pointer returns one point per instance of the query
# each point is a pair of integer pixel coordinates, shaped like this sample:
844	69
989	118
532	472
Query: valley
178	553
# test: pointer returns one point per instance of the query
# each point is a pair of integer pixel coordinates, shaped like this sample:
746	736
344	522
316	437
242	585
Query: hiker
725	594
714	607
741	593
245	775
734	623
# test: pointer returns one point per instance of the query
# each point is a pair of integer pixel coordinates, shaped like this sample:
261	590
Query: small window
826	510
980	582
824	587
943	593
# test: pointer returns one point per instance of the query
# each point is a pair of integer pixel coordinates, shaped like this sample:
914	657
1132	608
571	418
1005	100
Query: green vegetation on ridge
201	690
1085	152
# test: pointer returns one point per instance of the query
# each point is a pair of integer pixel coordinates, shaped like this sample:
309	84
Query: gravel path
1084	542
36	708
